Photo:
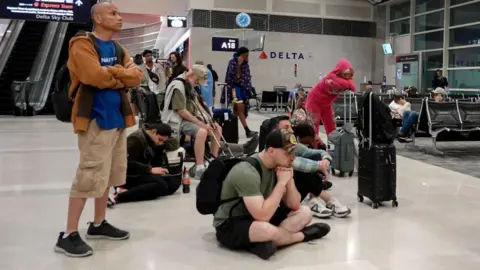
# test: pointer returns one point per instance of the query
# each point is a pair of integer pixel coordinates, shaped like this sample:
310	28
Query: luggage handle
349	106
370	121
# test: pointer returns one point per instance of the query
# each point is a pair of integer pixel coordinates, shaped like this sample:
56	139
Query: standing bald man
100	72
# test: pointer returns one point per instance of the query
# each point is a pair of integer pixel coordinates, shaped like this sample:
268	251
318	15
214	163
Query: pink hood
342	65
324	94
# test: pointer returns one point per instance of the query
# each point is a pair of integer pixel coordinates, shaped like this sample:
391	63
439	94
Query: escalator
20	62
72	30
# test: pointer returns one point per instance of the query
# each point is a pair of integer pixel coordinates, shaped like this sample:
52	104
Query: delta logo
286	55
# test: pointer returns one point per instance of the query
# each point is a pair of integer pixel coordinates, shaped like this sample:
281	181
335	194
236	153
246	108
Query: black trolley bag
377	165
229	123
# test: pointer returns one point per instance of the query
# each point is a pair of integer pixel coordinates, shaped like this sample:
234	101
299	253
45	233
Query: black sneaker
72	246
249	134
251	145
327	185
264	250
315	231
106	231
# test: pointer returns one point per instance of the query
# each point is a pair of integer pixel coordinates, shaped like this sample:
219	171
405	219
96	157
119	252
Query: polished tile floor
435	226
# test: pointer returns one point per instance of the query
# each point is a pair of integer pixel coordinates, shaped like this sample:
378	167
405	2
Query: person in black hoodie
145	175
439	80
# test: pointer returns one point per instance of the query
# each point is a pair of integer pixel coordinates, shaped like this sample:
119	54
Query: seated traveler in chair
188	116
268	213
311	167
146	178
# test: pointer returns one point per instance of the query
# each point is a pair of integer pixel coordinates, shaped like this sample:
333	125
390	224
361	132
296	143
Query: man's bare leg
199	146
75	209
297	220
239	111
101	208
261	231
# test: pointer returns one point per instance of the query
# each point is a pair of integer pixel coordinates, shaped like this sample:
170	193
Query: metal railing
8	41
41	90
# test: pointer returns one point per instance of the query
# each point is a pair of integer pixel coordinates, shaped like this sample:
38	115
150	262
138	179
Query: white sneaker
318	209
339	210
199	172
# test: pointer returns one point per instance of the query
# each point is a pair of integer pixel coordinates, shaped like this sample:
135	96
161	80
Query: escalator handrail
8	41
39	100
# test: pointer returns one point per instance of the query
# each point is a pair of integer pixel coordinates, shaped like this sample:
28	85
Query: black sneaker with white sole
264	250
106	231
73	245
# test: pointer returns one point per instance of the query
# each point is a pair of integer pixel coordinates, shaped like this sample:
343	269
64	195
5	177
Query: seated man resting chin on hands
267	213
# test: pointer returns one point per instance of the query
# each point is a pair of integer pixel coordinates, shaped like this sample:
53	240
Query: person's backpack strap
255	163
120	53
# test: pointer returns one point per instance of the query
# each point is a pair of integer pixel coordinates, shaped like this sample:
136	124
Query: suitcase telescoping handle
350	93
370	120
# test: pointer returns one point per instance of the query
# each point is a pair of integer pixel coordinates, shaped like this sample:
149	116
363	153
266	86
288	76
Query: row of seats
448	121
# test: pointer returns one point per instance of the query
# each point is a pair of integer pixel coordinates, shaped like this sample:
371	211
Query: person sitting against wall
146	175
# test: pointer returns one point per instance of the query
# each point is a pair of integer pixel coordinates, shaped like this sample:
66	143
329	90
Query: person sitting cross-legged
268	213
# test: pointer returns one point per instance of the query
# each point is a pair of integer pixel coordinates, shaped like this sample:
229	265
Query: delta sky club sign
286	55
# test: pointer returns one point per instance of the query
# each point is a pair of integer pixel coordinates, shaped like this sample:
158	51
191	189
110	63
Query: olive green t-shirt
243	180
179	102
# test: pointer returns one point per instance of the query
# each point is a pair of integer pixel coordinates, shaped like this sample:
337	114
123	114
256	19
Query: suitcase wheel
394	203
360	198
375	205
350	174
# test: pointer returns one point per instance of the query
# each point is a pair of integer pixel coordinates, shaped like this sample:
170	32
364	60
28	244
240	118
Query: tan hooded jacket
86	71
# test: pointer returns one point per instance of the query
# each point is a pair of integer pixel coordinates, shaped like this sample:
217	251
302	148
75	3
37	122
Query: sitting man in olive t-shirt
268	213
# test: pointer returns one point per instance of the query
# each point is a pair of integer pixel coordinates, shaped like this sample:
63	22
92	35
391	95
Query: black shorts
234	232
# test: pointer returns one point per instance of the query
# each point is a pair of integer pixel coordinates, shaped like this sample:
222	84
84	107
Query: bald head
105	15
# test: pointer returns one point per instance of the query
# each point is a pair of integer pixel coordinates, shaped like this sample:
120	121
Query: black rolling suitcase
229	123
377	166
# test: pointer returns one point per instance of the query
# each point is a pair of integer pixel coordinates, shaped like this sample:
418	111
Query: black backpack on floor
210	187
62	104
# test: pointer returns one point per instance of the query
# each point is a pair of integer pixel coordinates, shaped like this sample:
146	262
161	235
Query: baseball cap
281	138
202	72
439	90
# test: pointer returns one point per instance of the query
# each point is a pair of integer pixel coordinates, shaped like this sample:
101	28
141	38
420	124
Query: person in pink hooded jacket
326	91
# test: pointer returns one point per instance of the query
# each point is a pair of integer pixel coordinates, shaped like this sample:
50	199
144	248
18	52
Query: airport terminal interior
422	52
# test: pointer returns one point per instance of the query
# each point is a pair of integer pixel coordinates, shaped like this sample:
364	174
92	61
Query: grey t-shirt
243	180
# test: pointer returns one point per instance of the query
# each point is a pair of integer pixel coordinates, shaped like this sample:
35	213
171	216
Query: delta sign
286	55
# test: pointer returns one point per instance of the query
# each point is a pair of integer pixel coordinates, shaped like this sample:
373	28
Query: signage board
46	10
407	58
177	21
224	44
287	55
